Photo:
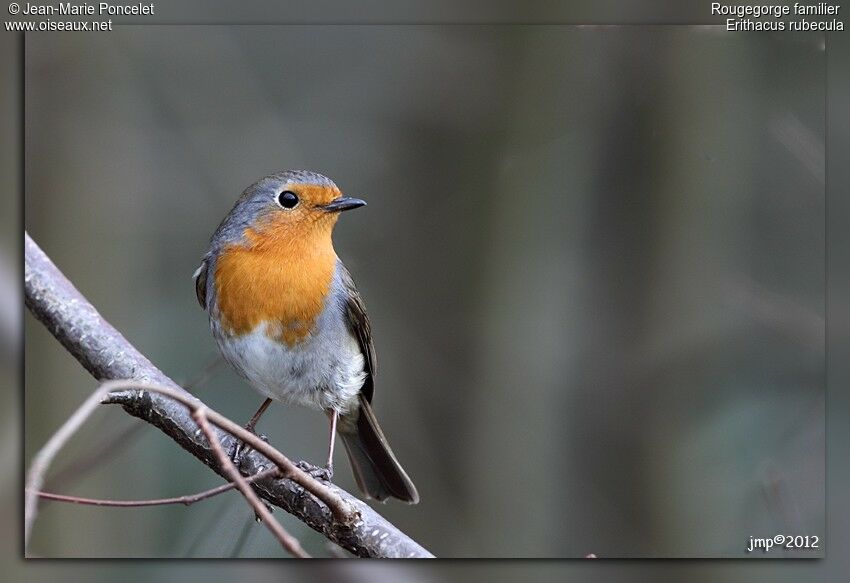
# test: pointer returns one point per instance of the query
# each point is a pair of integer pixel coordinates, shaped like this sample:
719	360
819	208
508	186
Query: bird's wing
358	323
200	277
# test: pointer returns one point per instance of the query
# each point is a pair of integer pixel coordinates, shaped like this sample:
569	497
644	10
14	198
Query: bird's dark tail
376	468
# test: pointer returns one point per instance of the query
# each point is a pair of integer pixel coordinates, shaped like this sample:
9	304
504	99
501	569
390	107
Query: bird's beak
343	203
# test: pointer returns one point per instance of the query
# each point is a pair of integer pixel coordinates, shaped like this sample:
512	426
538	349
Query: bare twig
106	354
200	414
42	460
342	510
79	467
109	447
186	500
289	542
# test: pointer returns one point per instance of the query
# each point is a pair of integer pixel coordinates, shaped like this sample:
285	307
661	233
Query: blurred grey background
593	258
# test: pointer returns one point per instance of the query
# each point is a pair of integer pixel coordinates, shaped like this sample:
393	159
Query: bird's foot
241	449
268	506
320	473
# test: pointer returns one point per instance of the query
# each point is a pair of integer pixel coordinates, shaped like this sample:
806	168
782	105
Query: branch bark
107	355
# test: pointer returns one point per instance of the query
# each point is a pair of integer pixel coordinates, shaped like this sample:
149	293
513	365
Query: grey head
296	197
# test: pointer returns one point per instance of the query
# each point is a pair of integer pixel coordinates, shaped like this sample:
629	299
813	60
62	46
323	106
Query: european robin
287	317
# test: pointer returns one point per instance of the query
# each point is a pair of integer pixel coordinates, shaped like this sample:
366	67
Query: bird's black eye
287	199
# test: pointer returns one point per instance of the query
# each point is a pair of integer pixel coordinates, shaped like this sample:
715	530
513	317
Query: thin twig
202	416
77	468
186	500
109	447
287	541
42	460
341	510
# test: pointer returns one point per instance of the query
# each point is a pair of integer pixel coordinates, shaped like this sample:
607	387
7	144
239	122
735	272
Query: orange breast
281	279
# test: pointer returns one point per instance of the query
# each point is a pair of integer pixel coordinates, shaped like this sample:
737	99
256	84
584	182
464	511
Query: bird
285	314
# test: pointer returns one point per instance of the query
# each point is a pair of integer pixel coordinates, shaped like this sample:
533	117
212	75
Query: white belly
324	371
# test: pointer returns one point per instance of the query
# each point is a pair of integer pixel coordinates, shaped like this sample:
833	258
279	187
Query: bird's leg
334	416
252	424
241	449
327	472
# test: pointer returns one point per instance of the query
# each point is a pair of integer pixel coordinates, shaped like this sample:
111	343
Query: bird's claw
324	474
268	506
240	450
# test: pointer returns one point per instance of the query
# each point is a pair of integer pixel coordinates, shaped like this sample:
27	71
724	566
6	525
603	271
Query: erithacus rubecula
286	315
